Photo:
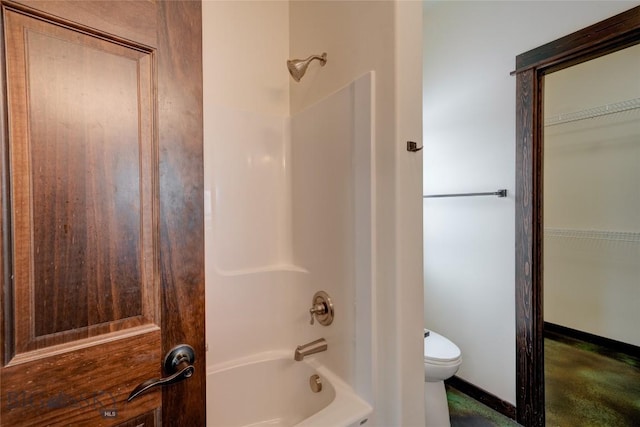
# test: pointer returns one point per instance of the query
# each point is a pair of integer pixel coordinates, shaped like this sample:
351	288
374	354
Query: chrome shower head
297	67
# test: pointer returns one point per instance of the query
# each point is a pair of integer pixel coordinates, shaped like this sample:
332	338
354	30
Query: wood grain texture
62	389
529	346
167	176
181	200
6	256
82	262
82	183
68	381
608	36
150	419
604	37
137	25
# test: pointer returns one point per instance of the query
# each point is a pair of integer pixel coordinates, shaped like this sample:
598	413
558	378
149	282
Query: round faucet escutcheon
321	309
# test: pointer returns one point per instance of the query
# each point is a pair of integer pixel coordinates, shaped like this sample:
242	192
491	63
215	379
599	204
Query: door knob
178	364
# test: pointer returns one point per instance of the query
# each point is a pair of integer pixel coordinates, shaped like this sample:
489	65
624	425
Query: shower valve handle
321	309
178	363
317	309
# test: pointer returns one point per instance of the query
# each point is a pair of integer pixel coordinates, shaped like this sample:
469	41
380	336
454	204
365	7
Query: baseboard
483	396
552	329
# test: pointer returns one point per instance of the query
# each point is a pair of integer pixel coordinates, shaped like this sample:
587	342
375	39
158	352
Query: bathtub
272	390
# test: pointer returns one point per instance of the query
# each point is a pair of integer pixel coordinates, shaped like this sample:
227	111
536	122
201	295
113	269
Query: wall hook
413	147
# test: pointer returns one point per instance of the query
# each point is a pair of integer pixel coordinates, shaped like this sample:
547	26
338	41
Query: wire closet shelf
589	113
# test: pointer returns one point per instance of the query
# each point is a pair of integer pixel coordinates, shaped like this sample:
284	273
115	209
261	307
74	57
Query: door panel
85	387
83	159
102	212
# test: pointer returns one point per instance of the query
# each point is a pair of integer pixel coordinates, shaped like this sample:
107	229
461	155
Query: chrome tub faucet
313	347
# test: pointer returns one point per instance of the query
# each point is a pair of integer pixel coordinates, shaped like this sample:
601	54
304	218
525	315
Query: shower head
297	67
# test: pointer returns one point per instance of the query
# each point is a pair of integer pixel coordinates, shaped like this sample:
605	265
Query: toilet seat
438	350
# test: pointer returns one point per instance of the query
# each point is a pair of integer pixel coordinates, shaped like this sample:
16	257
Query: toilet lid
439	348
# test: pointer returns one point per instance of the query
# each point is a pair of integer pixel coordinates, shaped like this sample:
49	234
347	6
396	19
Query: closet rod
499	193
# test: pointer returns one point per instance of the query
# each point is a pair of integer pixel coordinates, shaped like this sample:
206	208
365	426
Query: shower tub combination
296	165
271	389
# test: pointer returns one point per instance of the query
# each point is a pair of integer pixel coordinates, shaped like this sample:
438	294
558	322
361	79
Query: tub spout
307	349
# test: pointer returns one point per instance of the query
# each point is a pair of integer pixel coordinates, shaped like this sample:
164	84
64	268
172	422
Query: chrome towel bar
499	193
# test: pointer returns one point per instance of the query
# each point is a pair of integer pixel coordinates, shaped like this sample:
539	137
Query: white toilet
442	358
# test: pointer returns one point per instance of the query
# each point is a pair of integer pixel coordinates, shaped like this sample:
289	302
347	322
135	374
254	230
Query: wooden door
102	214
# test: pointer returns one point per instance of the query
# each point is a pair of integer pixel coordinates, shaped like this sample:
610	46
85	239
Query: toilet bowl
442	358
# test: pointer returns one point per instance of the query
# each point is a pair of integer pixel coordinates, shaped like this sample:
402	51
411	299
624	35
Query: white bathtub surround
291	214
249	254
271	389
332	154
252	196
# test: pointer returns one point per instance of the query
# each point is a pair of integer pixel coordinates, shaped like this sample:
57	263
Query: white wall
469	137
363	36
592	199
246	43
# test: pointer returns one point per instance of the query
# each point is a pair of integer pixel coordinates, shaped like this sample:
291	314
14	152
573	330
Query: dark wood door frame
605	37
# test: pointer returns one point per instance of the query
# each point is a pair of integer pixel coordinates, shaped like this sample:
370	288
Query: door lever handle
178	364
